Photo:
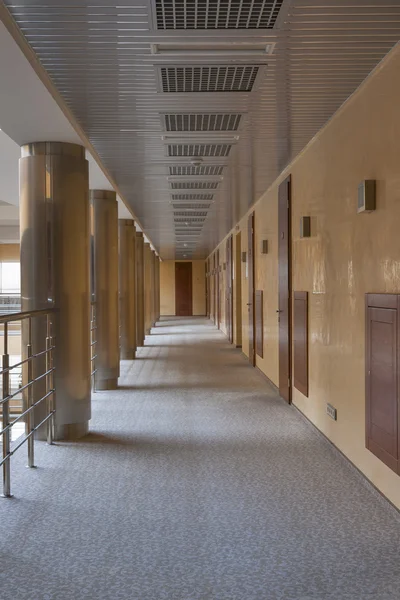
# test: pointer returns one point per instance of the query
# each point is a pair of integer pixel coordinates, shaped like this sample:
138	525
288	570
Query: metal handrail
93	343
48	397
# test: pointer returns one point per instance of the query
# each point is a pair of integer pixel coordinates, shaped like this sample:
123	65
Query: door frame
285	299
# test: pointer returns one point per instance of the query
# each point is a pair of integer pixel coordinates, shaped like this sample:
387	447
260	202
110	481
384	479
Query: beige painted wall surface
348	255
199	287
167	287
9	252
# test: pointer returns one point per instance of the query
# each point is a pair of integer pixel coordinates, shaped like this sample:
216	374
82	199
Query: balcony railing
10	303
27	414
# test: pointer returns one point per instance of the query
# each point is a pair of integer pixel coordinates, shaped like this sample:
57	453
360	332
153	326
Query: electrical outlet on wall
331	411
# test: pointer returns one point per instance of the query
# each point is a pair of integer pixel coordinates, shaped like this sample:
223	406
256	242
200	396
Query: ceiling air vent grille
193	150
190	215
190	220
194	185
194	197
191	207
223	78
202	122
217	14
187	171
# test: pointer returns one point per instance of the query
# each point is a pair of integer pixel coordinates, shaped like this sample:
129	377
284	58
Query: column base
128	354
106	384
71	431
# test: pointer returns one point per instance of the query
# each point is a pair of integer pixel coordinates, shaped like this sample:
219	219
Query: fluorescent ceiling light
207	49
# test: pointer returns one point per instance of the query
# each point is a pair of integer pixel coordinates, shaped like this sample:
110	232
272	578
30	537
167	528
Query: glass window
10	278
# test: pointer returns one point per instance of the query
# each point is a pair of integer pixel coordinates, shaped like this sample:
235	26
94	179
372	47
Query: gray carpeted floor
196	483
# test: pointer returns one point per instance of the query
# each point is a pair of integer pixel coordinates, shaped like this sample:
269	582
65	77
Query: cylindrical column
147	288
157	288
54	226
139	288
105	221
153	287
127	288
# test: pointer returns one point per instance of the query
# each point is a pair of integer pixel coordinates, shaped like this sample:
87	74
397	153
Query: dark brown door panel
183	289
382	377
284	269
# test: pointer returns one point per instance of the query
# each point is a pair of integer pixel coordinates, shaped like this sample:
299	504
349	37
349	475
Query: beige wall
9	252
167	287
348	255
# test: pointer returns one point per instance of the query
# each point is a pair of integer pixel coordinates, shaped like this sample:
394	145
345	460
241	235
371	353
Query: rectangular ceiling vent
202	122
194	185
190	220
218	14
195	197
187	171
218	78
190	215
194	150
191	207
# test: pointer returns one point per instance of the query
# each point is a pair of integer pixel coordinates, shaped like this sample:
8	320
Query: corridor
196	483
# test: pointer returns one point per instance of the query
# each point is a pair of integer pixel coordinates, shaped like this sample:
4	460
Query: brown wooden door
215	294
229	288
207	267
217	278
284	267
382	377
251	302
183	289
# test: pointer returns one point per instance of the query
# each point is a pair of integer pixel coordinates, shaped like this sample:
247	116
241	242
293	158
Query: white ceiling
120	66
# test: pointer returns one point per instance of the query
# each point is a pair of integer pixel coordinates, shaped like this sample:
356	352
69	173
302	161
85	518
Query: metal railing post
6	434
30	417
49	381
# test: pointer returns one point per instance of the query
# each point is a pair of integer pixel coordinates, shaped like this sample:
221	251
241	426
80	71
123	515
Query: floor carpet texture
197	482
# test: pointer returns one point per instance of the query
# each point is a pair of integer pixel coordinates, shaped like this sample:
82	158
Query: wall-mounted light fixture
305	227
367	196
264	247
244	257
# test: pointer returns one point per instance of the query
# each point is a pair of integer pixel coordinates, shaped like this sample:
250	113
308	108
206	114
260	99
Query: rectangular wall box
382	378
305	227
244	257
300	341
367	196
259	323
264	247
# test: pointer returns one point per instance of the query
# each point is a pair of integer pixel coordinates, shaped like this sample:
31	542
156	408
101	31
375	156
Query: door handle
279	311
249	304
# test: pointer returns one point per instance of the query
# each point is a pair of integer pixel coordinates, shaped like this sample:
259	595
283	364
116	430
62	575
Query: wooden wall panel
300	341
259	320
382	377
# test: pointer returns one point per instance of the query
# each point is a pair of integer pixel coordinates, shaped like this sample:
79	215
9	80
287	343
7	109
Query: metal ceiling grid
101	57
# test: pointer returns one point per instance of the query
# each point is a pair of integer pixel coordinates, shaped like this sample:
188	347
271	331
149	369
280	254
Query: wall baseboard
271	383
360	475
